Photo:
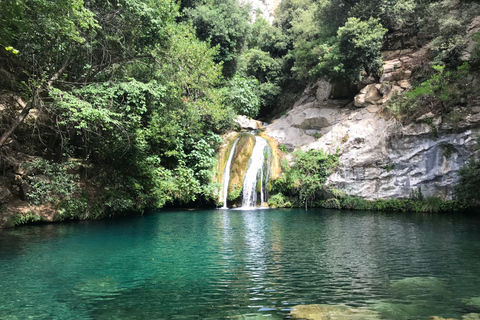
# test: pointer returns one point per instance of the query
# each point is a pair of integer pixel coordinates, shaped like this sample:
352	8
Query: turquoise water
221	264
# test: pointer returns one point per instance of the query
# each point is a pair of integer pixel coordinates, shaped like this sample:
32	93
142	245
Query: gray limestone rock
380	158
247	123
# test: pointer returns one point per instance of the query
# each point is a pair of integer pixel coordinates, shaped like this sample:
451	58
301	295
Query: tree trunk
33	103
17	122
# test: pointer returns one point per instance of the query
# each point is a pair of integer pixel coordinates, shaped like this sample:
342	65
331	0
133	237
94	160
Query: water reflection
219	264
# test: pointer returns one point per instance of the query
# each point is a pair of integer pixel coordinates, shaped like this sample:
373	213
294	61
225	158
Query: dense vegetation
126	99
125	87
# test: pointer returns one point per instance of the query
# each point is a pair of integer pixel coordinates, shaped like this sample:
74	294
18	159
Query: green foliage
389	167
432	204
240	94
446	21
355	49
476	48
392	13
448	150
442	90
278	200
468	183
331	203
50	182
439	84
267	38
235	192
19	218
416	195
469	179
304	180
283	148
224	24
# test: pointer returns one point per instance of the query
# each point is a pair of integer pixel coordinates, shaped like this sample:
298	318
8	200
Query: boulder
371	94
359	100
392	65
316	118
404	84
387	77
368	80
391	93
248	123
323	90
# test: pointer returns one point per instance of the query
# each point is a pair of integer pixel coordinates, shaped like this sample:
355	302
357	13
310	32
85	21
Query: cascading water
250	158
226	175
257	174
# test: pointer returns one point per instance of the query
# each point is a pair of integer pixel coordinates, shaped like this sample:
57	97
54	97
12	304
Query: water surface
220	264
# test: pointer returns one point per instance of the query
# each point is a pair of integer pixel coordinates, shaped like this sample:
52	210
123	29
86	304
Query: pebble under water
250	264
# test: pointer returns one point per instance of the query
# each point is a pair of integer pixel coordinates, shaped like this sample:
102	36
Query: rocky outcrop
379	157
472	29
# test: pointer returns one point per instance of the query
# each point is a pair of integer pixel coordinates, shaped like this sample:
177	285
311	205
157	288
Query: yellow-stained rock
243	152
275	167
223	153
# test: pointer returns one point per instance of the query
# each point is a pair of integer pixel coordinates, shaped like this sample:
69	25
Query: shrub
50	182
279	201
305	179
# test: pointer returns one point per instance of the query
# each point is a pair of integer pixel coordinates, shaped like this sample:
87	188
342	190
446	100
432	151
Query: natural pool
219	264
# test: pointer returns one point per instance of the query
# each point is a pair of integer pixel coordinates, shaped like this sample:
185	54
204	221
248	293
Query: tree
68	43
224	24
360	43
240	94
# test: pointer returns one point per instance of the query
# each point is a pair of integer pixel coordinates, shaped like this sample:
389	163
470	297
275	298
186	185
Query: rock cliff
381	158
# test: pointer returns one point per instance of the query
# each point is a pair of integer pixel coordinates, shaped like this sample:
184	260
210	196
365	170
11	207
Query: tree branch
34	102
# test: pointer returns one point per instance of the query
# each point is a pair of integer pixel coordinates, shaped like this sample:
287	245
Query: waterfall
226	175
255	173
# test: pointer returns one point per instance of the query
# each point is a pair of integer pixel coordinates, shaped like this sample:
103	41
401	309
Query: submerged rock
475	301
256	316
421	286
97	289
332	312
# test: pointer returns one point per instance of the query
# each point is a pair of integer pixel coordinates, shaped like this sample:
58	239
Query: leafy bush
467	188
19	218
432	204
440	93
50	182
279	201
304	180
240	94
332	203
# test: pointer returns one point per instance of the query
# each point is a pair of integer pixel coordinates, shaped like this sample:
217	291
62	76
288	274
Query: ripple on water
252	264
